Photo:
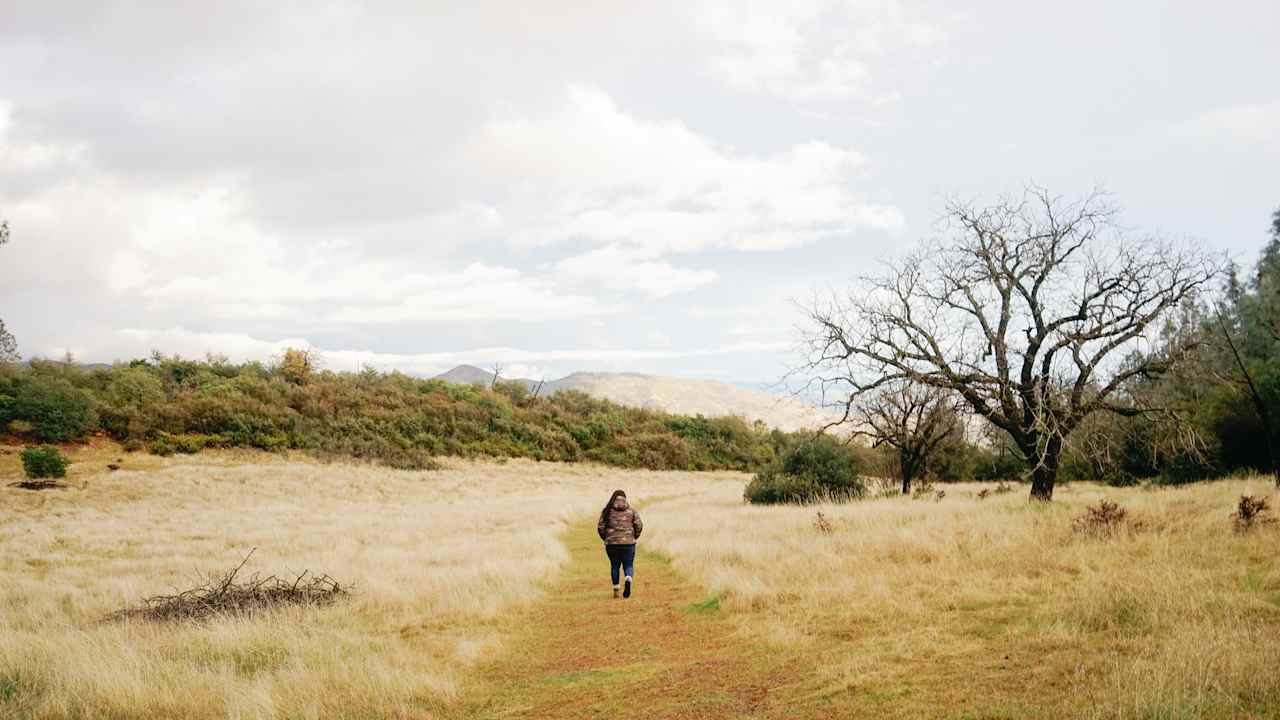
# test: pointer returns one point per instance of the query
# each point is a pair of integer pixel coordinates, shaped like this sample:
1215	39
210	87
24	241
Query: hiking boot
615	591
626	588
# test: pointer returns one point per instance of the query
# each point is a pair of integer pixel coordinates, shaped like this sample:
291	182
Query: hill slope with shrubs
171	404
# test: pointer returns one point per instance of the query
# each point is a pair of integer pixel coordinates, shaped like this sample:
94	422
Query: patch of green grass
990	629
885	694
1254	581
578	677
17	695
710	605
10	687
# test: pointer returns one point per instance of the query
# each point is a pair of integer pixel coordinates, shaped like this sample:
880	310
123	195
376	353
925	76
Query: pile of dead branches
39	485
223	596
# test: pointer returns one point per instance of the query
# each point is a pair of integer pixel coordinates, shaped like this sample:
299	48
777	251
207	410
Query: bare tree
913	419
1023	311
497	375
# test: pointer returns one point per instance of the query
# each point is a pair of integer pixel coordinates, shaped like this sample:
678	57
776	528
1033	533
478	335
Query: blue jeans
623	556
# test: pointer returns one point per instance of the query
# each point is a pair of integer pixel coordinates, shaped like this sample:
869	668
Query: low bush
44	462
1101	520
1251	512
812	470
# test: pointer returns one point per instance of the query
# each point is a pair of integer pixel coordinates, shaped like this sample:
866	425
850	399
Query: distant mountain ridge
685	396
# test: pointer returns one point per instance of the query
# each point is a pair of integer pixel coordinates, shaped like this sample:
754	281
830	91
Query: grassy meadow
470	578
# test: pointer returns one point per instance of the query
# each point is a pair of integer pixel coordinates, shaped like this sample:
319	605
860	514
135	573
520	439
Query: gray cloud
576	185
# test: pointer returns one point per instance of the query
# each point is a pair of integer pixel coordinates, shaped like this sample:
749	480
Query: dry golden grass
996	608
904	608
438	559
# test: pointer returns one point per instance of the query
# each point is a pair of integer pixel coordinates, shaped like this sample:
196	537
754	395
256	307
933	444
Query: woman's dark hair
604	514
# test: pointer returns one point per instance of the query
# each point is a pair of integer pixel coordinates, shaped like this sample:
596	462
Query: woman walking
619	528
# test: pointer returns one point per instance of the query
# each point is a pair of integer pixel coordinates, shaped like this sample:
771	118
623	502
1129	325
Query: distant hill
468	375
676	395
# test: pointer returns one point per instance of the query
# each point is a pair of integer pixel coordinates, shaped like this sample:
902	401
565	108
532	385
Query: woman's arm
637	523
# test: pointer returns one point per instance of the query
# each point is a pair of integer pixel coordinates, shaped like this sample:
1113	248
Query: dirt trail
667	652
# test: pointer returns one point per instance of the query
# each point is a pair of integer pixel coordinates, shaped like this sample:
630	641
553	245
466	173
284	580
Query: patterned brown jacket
621	525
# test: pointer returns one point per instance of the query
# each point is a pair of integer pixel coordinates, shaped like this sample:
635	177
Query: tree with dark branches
1024	309
913	419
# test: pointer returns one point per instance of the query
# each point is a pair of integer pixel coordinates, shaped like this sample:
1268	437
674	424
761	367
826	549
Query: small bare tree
911	418
1023	311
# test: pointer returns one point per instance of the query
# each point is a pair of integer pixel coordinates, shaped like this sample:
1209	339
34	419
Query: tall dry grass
437	559
922	608
897	608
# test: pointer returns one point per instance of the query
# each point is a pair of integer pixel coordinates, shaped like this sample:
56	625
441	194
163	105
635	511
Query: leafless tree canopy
914	419
1023	309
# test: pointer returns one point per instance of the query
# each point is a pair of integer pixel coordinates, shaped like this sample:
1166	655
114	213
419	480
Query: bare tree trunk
906	479
1045	473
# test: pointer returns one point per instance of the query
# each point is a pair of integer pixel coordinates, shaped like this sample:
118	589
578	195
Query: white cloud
197	247
1254	125
616	268
590	172
813	50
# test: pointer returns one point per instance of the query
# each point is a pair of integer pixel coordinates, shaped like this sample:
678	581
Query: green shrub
814	470
59	411
1120	478
44	462
162	447
130	402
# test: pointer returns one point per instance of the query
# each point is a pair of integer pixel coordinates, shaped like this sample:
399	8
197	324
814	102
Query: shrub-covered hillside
170	404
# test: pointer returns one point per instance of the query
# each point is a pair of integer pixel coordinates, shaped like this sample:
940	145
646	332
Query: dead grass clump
1001	488
923	489
225	597
1104	519
823	525
1251	512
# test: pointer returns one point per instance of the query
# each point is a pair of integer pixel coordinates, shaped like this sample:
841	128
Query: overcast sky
573	185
